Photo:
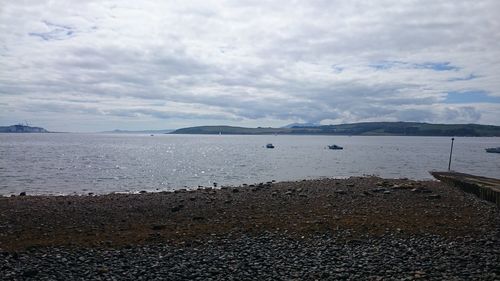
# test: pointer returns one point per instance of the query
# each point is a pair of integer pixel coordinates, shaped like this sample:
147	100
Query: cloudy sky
101	65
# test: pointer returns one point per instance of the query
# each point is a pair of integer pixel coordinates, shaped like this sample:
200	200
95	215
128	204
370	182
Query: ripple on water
98	163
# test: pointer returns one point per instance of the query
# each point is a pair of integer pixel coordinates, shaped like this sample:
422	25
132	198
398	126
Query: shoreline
203	187
367	220
357	202
86	192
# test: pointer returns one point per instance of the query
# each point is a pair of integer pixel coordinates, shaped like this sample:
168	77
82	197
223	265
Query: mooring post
451	152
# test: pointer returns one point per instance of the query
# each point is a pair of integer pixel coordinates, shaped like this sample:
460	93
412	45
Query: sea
75	163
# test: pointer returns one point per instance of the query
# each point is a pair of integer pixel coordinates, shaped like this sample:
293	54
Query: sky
88	66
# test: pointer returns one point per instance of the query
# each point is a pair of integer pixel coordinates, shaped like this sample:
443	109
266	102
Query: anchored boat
336	147
493	150
269	145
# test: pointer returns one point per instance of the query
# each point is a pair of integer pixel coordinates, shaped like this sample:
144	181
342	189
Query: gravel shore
330	229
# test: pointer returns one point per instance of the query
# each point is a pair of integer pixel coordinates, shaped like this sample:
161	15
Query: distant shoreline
356	129
22	129
237	134
353	129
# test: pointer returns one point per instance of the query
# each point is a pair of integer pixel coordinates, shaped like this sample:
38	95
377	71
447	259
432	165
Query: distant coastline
117	131
352	129
356	129
22	129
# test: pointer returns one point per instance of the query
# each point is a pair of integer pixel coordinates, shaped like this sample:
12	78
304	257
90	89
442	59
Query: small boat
335	147
493	150
269	145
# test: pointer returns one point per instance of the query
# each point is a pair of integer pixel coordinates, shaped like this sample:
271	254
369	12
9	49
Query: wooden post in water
451	152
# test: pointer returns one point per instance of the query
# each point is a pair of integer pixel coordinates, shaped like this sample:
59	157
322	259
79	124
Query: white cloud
161	64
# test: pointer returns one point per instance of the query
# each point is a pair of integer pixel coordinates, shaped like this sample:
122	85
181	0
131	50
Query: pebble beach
360	228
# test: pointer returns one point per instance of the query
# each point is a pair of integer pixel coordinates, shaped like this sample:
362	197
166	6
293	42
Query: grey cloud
40	106
466	78
425	115
94	109
465	114
249	60
57	32
462	114
167	114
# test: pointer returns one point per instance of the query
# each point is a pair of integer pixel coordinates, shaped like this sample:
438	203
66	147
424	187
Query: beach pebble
177	208
267	257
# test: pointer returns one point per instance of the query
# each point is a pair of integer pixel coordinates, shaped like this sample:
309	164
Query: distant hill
165	131
21	129
365	129
229	130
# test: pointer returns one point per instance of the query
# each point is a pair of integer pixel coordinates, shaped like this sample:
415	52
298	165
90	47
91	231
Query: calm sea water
100	163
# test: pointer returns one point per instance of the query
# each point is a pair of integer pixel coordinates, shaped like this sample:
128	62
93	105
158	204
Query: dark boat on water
493	150
269	145
335	147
